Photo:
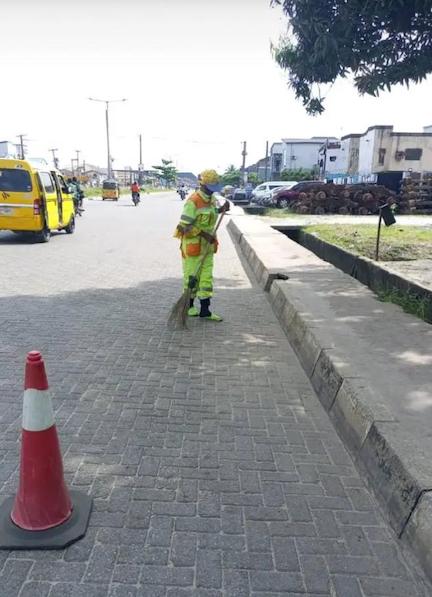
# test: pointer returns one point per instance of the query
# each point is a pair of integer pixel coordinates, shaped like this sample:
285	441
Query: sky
198	76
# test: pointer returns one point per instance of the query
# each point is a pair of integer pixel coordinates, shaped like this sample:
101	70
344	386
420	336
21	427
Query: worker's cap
210	179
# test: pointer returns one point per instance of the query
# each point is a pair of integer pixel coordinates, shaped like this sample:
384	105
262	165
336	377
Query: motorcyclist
182	192
135	190
77	194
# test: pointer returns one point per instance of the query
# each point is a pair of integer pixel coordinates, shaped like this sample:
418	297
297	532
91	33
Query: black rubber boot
205	307
191	303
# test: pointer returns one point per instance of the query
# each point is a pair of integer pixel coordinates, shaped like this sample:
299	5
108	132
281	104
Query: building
276	156
9	150
379	155
187	178
294	153
261	168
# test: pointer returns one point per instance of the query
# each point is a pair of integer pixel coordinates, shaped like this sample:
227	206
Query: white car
263	190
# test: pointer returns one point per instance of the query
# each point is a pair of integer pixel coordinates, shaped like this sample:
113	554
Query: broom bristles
178	315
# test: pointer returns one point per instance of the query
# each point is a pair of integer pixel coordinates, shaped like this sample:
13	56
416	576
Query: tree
297	174
231	176
380	42
167	171
254	179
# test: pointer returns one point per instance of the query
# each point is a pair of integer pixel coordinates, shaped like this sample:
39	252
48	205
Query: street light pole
107	103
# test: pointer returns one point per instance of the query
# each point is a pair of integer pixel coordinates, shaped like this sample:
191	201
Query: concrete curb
379	445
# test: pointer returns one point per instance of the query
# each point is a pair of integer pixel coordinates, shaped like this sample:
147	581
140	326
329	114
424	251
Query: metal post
77	151
72	167
378	236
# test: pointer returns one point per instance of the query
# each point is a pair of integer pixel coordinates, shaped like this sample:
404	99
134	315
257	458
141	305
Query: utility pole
72	166
77	151
244	173
266	162
55	160
21	138
107	103
140	167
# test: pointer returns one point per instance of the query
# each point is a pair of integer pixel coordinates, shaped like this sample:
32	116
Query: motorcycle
135	198
182	194
78	204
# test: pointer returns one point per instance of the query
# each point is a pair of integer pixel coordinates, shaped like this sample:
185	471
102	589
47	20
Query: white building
294	153
9	150
379	155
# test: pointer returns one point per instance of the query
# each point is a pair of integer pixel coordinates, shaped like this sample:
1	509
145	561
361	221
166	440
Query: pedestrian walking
198	243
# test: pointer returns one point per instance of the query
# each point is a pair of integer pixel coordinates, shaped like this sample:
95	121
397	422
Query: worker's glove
208	237
225	207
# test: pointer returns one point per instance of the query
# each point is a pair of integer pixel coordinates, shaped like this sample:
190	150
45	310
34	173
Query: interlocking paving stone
214	469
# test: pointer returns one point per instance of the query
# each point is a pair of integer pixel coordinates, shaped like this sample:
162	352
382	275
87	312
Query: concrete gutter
370	365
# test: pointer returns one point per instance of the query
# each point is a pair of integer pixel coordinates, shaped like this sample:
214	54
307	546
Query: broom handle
215	229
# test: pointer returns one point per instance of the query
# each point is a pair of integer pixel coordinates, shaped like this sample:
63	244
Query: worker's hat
210	179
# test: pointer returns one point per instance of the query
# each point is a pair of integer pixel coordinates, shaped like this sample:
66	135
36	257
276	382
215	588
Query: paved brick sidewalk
214	469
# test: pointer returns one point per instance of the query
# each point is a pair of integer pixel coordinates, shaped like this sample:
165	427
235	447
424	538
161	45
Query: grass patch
97	191
92	191
397	243
274	212
421	307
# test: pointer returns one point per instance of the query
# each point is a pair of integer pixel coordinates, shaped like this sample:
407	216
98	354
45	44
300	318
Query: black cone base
12	537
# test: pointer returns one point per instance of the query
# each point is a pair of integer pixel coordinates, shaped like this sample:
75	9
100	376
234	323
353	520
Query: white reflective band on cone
38	413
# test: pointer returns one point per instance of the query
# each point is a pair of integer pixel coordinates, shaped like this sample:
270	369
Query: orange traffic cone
44	515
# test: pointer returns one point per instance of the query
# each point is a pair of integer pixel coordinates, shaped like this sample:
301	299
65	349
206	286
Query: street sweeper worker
198	245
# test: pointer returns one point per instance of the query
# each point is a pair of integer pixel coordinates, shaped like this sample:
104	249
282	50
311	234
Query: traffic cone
44	515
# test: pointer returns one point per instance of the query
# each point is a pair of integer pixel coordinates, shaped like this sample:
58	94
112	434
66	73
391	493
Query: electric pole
55	160
266	162
140	167
77	151
21	138
109	158
244	173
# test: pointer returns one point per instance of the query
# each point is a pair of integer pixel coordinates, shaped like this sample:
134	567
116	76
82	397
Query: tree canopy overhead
380	42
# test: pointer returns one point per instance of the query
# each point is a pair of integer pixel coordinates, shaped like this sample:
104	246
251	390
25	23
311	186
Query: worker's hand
208	237
225	207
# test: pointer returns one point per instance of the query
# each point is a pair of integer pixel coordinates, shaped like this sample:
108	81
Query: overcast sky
198	76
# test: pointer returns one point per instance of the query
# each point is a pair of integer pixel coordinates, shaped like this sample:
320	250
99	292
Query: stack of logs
416	195
362	199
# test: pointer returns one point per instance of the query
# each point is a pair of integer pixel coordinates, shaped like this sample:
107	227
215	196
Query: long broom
178	315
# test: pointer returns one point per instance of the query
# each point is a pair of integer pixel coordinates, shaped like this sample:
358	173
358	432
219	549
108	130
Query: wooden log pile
416	195
361	199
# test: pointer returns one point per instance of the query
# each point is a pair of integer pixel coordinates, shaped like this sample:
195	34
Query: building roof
388	127
312	140
189	175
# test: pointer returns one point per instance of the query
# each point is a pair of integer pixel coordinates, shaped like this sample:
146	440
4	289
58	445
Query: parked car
241	197
228	191
285	197
274	192
265	188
